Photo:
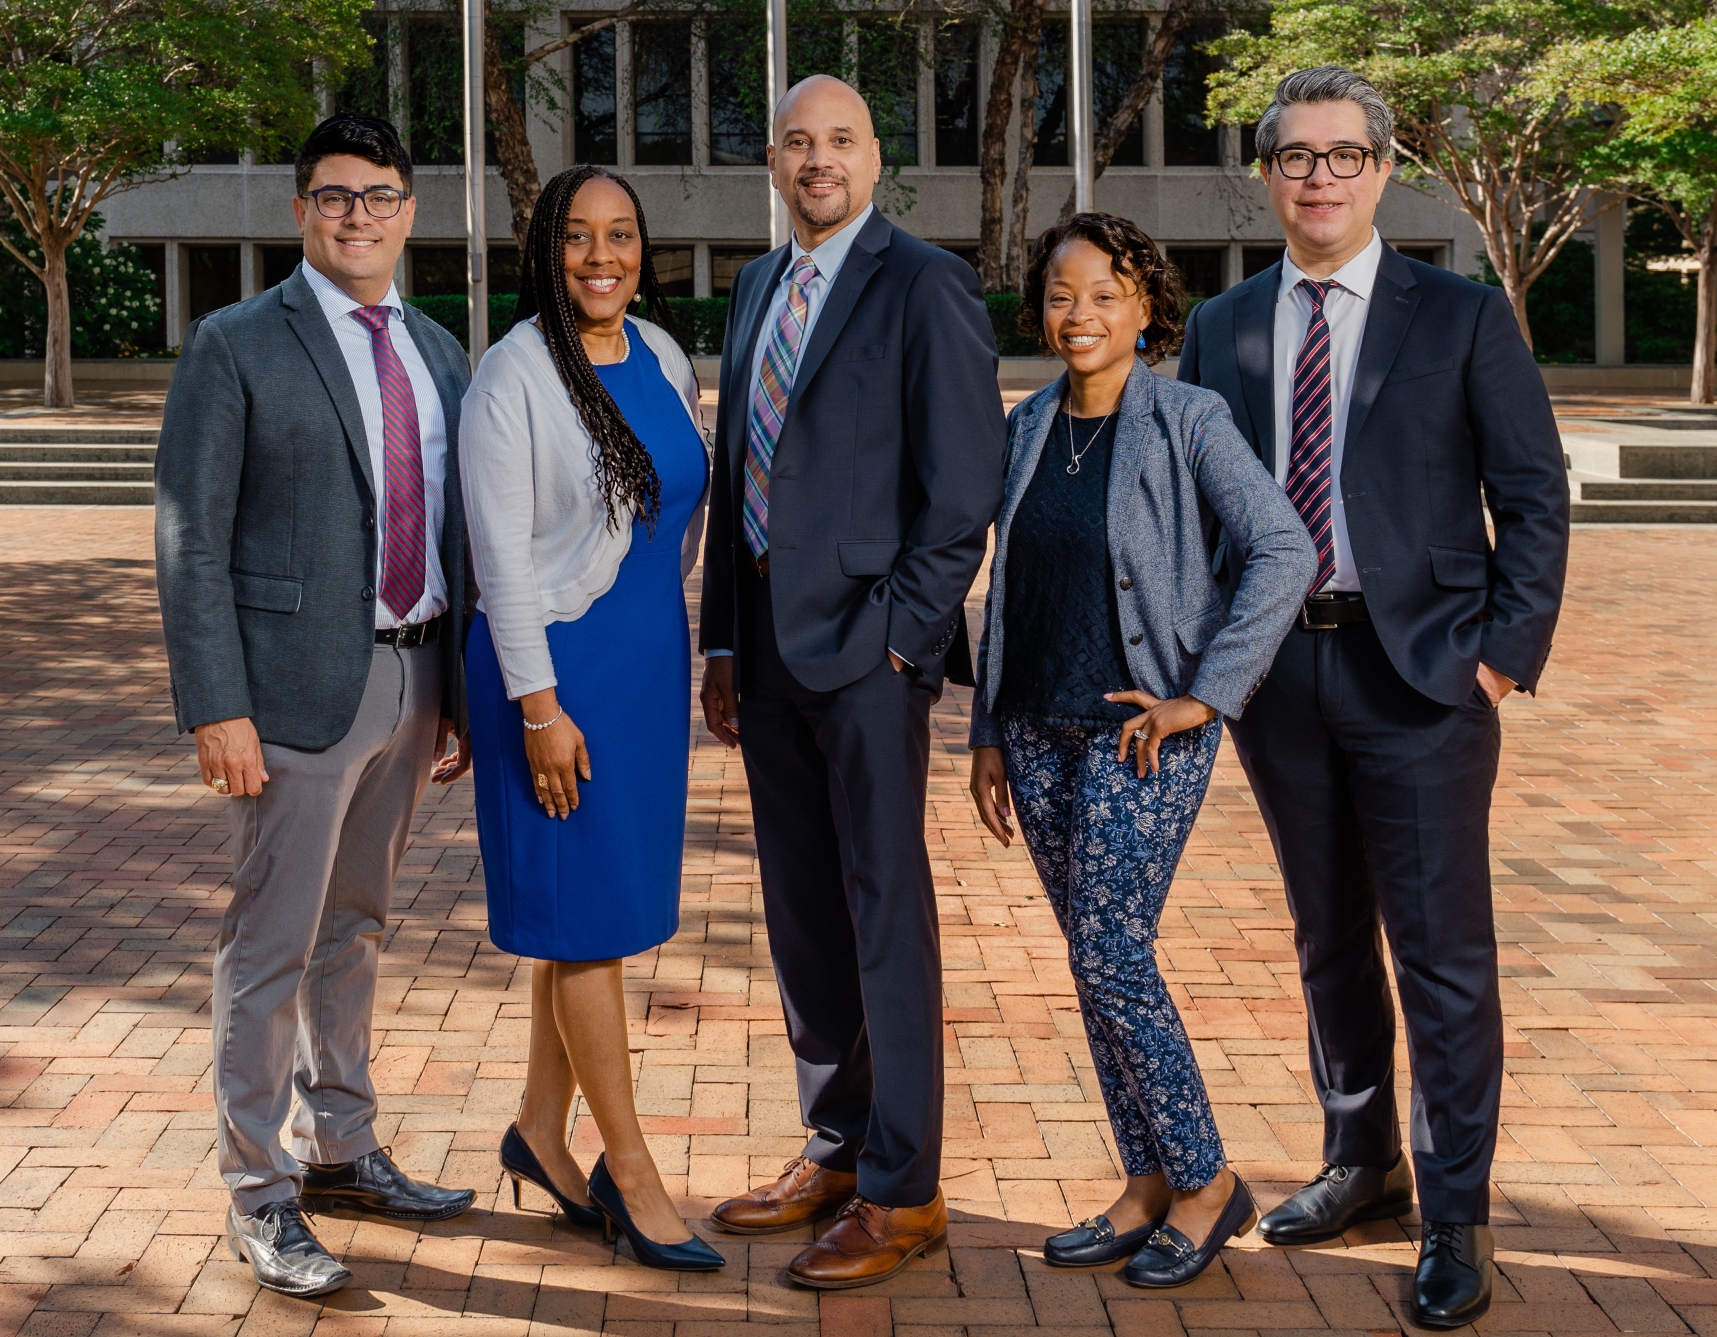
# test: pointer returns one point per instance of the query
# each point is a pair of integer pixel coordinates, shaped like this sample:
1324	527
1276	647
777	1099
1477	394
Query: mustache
820	176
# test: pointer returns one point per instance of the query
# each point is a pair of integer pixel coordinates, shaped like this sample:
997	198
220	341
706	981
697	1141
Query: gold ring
219	784
542	781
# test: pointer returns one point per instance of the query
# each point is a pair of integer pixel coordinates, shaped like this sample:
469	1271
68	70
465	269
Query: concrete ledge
19	373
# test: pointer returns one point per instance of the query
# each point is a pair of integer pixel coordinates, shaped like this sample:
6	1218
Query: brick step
1645	489
76	494
1666	512
46	453
75	473
24	434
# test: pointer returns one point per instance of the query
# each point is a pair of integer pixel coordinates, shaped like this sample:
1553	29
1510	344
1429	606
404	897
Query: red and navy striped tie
1308	484
403	522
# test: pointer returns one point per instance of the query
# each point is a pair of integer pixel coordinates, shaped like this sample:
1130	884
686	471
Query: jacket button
369	522
1126	582
367	593
1135	638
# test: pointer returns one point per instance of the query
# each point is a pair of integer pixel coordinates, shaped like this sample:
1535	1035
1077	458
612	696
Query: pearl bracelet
538	728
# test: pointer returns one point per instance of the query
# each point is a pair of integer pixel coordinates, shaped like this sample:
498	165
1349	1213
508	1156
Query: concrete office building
657	99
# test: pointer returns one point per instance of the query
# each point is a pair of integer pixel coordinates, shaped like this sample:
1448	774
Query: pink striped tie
1308	484
403	522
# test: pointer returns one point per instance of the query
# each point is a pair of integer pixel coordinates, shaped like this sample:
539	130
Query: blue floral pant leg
1105	844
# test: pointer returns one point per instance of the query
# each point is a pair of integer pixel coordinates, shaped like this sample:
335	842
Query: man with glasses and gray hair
310	551
1396	403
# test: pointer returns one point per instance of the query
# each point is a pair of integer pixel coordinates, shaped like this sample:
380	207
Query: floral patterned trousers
1105	844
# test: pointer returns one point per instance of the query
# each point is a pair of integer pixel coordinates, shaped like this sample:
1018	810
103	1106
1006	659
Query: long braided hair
625	473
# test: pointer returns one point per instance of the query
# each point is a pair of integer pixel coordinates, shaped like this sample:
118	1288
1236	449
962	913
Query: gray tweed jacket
1180	470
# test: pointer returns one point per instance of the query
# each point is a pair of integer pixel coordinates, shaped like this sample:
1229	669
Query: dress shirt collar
1358	275
335	301
832	254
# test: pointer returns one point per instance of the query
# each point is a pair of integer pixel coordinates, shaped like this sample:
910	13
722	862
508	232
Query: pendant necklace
1076	455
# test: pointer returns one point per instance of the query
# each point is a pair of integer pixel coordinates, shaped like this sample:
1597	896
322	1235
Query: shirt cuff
718	654
902	658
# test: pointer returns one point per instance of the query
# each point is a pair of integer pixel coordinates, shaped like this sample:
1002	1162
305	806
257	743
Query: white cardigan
541	545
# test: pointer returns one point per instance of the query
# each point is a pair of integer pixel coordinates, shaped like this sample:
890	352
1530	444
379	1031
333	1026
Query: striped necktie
403	521
1308	484
769	405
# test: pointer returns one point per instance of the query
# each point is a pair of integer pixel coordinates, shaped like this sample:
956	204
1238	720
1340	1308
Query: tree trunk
1517	299
1018	234
512	139
1704	389
993	151
57	365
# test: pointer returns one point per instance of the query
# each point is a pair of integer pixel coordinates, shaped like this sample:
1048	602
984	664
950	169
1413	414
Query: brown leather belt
1326	612
409	638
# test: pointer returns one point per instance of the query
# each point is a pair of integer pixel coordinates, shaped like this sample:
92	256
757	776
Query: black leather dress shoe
1169	1258
375	1186
1093	1243
1340	1196
1452	1285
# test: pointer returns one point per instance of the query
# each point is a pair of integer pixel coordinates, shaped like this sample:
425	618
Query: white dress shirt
354	339
1345	309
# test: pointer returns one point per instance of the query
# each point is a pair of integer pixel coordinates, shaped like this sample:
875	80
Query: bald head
825	158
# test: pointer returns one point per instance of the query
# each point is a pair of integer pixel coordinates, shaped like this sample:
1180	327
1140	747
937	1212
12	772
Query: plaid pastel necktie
769	405
1308	484
403	523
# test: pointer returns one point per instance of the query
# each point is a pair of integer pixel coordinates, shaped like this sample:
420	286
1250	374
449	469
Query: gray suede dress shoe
281	1251
375	1186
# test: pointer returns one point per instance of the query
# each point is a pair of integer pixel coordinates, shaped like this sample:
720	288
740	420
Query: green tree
1471	114
99	95
1660	87
115	312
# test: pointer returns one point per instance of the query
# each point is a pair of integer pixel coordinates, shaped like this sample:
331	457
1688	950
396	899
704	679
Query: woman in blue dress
584	472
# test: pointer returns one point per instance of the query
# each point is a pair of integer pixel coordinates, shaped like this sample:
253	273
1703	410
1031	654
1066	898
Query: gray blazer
265	521
1180	469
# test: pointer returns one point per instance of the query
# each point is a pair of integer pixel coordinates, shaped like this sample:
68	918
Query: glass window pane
278	262
1052	96
1255	260
818	49
1117	52
593	134
957	117
436	62
366	89
1200	270
737	92
662	93
888	80
1188	139
437	271
213	278
724	265
673	270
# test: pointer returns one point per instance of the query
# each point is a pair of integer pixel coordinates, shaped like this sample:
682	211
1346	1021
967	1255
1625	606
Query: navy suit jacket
1449	417
887	473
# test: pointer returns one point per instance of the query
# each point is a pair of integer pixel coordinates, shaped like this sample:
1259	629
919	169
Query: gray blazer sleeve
198	466
1280	561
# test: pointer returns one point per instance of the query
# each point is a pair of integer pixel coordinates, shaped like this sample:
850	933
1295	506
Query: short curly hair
1133	255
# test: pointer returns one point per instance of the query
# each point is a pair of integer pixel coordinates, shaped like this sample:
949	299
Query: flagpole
476	276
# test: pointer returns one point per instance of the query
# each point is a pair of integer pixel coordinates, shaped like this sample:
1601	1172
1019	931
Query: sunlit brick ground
112	878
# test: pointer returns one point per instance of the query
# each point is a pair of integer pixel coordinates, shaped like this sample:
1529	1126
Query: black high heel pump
521	1163
692	1256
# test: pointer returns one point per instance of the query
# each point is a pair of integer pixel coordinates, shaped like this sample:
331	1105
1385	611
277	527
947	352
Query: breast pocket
861	353
1418	370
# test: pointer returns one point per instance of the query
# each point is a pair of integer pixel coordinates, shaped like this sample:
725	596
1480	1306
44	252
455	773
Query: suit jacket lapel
749	326
1255	353
305	317
1394	299
862	261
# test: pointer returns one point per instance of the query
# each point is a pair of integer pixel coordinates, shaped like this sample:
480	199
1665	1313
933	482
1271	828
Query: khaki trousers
295	967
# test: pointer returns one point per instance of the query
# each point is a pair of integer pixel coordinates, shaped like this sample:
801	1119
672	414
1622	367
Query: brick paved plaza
112	865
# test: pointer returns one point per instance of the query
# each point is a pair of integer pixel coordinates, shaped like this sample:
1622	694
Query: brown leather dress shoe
804	1192
870	1243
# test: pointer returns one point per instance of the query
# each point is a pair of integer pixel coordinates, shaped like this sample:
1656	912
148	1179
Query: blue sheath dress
604	883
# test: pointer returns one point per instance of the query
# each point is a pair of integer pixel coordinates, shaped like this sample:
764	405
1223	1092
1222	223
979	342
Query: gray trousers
295	967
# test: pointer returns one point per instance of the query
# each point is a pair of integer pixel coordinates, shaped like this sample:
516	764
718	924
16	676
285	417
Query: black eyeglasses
339	201
1345	162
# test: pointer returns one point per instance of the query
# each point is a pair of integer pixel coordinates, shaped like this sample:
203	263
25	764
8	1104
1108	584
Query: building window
437	271
662	93
724	265
278	262
593	134
1188	139
673	270
957	116
817	50
888	81
435	59
366	89
501	267
1255	260
1200	271
1427	255
213	273
1117	53
153	257
737	134
1052	97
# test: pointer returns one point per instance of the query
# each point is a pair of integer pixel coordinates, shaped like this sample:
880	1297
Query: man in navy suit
858	464
1396	403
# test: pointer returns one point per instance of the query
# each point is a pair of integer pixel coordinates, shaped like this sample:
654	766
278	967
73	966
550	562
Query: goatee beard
826	212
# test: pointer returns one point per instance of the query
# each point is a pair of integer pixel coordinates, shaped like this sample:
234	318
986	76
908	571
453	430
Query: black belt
1326	612
760	565
409	638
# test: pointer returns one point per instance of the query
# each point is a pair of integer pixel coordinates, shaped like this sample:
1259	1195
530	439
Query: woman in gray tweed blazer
1103	716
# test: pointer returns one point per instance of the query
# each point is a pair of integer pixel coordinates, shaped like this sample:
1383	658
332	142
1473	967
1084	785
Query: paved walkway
113	876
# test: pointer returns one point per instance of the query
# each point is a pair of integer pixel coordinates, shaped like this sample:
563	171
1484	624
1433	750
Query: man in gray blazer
310	548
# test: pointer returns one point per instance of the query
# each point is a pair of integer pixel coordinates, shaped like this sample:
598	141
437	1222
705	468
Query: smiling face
604	253
1092	316
826	159
357	252
1327	218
